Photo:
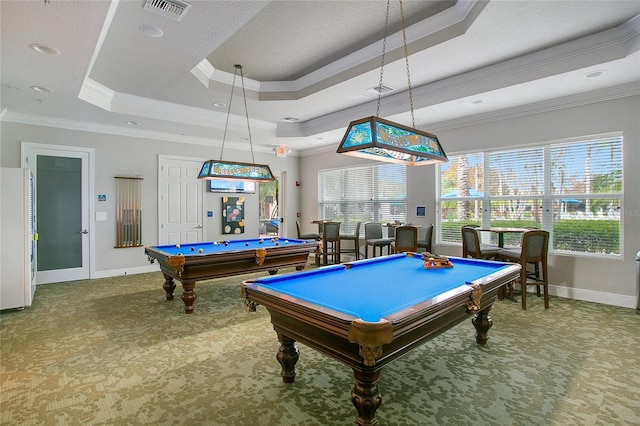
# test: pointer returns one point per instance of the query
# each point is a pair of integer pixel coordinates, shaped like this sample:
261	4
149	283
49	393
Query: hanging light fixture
219	169
383	140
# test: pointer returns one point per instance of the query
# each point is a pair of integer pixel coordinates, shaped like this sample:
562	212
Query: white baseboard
127	271
593	296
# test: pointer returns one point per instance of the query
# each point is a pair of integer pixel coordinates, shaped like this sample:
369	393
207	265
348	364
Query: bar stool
425	243
373	238
406	239
355	237
302	236
533	249
331	242
471	246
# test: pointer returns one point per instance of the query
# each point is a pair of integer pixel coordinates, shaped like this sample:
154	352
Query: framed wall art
233	215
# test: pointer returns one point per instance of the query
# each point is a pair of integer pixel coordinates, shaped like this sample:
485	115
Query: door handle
199	227
84	231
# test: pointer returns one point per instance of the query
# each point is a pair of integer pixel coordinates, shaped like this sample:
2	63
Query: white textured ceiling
313	60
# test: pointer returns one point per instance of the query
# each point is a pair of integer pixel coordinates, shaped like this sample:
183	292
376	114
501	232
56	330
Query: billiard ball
261	241
177	245
226	243
286	241
200	250
246	244
215	243
277	243
193	248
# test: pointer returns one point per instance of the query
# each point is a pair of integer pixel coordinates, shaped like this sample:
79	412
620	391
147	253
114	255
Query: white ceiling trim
350	65
603	47
581	99
83	126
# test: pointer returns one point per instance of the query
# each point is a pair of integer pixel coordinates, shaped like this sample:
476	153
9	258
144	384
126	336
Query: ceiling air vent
380	90
172	9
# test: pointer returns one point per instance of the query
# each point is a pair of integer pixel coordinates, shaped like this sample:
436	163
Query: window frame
547	199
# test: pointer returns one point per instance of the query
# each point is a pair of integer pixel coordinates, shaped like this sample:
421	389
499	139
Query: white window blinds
571	189
373	193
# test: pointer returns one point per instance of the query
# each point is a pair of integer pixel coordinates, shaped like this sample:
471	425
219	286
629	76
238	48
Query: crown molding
566	102
593	97
84	126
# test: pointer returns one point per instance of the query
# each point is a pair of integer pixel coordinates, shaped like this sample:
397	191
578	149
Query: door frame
282	204
162	158
32	148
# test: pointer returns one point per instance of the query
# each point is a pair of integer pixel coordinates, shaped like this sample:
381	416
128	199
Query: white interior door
62	209
180	200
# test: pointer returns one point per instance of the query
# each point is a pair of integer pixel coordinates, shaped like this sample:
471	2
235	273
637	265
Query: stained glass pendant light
383	140
226	170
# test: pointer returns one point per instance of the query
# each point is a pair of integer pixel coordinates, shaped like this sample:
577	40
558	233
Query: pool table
367	313
189	263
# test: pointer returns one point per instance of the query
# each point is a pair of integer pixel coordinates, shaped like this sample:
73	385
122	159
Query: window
571	189
375	193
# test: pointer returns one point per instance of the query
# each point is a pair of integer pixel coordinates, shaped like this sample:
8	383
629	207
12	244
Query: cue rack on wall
128	211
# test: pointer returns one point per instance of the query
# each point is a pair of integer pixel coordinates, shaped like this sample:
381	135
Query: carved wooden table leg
482	322
169	285
366	397
287	356
189	296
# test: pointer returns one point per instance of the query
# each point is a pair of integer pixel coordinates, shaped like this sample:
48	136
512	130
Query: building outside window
573	189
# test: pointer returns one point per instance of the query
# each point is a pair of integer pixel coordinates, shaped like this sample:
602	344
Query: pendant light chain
384	45
406	60
383	140
226	124
246	111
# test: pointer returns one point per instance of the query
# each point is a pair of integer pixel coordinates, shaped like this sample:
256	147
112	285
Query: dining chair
406	239
472	247
355	238
373	238
533	249
331	242
425	243
302	236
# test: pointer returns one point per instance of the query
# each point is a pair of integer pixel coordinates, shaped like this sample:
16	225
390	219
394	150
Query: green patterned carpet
115	352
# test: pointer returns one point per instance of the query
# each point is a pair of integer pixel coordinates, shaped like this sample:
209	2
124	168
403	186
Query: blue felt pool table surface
213	247
374	288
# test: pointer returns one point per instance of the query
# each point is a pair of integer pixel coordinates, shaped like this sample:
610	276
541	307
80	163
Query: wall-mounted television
233	186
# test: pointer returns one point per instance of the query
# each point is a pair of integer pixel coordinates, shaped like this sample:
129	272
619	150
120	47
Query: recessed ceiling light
41	48
41	89
151	30
219	104
476	102
130	123
290	119
594	74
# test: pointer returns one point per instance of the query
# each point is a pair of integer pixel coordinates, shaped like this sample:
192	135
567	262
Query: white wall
123	155
585	278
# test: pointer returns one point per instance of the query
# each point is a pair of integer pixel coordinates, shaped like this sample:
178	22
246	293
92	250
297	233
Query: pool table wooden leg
366	396
287	356
189	296
169	286
482	322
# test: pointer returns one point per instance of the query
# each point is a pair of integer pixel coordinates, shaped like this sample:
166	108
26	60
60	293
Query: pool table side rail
243	253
